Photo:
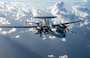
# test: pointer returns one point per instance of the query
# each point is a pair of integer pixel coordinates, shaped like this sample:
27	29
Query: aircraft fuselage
55	31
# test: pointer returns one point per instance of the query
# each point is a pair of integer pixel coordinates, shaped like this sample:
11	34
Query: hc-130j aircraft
58	30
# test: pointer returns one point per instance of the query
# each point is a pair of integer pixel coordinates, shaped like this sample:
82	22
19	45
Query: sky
46	3
23	43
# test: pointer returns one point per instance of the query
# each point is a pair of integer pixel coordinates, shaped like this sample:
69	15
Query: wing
63	24
18	26
71	22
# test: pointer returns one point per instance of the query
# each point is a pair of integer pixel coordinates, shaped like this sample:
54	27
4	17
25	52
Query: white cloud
77	12
84	1
4	32
52	37
60	11
0	29
65	56
4	21
51	56
80	11
17	36
35	12
32	29
12	30
86	22
63	39
20	14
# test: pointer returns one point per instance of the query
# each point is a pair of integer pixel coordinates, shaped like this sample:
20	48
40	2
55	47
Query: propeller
42	30
39	31
67	29
39	27
65	26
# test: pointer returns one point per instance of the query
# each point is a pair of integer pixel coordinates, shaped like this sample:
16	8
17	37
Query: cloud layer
76	12
16	14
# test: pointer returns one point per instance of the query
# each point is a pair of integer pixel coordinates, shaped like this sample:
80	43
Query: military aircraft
44	27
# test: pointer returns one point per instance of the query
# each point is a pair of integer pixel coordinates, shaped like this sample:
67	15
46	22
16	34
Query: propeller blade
40	33
68	30
75	32
44	32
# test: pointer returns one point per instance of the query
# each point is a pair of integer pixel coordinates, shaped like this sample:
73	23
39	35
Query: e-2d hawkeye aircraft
58	30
